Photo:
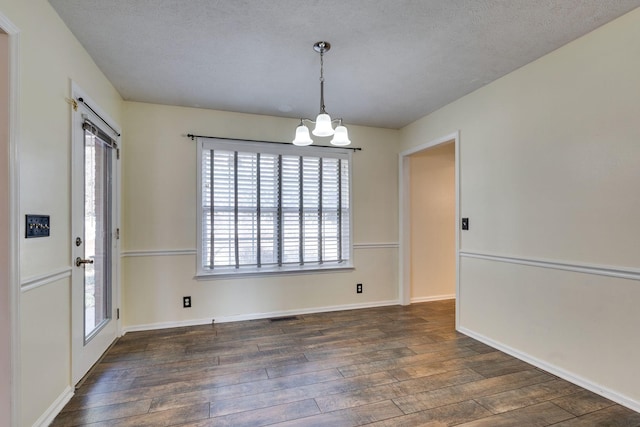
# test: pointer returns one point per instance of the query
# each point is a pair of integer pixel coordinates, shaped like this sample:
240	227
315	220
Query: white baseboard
256	316
165	325
48	416
559	372
432	298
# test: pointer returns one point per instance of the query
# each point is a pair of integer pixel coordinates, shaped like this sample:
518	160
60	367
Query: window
271	208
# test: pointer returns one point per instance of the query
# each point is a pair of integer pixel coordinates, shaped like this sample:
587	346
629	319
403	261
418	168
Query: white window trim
276	148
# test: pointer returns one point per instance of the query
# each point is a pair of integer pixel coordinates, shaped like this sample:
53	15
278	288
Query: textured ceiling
391	61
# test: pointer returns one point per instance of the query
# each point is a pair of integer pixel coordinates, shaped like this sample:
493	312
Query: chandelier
323	122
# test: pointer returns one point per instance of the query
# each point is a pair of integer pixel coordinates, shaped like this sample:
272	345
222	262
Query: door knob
80	261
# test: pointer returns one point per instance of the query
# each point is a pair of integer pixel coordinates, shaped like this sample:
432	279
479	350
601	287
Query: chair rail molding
601	270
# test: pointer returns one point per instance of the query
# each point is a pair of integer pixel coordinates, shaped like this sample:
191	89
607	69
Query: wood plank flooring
389	366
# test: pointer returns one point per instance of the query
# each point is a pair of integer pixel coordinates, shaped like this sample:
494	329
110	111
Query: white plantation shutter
344	211
331	202
311	209
290	210
266	207
269	226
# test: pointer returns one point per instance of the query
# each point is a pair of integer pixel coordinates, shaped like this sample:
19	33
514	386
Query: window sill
275	271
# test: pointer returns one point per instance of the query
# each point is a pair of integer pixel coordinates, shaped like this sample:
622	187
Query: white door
94	239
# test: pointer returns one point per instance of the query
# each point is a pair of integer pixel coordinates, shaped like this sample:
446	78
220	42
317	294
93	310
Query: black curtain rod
98	116
193	137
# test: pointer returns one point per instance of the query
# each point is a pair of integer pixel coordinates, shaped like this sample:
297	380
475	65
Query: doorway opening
429	217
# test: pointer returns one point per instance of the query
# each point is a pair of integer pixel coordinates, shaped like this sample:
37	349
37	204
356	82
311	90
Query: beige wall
433	210
5	232
50	57
549	175
160	199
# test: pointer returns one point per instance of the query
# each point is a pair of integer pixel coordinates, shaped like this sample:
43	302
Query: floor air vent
284	318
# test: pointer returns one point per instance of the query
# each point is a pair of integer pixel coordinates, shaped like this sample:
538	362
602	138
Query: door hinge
117	234
117	313
118	153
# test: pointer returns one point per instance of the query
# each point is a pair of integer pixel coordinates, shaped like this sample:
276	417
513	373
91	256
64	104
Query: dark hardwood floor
390	366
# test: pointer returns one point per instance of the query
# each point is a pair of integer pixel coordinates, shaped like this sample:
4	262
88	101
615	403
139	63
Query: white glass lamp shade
302	136
323	125
341	136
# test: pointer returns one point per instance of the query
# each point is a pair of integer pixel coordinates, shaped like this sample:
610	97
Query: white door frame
13	261
77	152
404	279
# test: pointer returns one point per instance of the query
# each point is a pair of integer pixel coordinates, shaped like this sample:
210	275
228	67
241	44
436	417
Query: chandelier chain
322	108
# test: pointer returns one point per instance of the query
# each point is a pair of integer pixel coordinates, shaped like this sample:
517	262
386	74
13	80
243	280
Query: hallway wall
433	210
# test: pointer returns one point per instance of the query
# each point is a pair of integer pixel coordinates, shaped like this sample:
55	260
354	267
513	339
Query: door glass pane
97	234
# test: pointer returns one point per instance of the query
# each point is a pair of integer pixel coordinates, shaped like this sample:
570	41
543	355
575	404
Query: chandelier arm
305	119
